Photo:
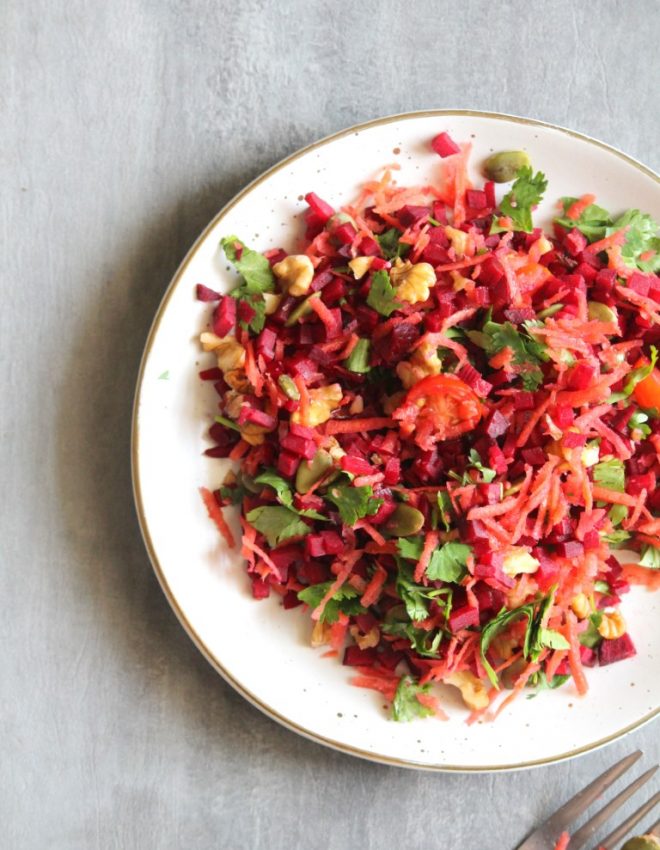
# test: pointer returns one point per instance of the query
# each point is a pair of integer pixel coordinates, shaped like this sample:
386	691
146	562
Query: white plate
262	650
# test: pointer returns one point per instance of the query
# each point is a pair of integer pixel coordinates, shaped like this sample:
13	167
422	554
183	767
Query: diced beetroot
582	376
524	401
435	254
481	296
575	242
257	417
491	271
378	264
497	424
224	316
570	549
409	214
473	379
518	315
334	291
636	483
383	512
490	493
439	209
535	456
301	431
356	657
548	568
497	459
218	451
206	294
332	542
640	283
606	278
588	272
314	546
591	540
298	446
290	600
444	145
286	555
392	471
588	656
214	374
345	233
287	464
265	345
489	192
260	588
368	247
461	618
356	465
319	207
563	416
321	279
475	531
616	650
476	199
308	501
221	386
608	601
246	312
572	439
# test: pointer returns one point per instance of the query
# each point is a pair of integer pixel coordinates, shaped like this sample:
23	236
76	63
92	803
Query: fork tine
620	832
571	810
587	831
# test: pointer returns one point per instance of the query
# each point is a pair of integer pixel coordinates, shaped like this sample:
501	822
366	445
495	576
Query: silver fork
548	832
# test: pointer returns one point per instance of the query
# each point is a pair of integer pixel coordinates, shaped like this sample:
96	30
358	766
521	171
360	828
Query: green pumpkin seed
288	387
248	482
404	521
503	167
303	309
642	842
311	471
601	312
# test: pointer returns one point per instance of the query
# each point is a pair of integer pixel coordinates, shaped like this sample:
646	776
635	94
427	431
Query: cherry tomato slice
439	407
647	392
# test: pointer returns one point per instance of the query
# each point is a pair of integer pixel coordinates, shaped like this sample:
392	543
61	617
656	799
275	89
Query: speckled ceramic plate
260	649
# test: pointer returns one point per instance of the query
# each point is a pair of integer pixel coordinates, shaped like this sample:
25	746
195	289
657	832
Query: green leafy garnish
410	547
277	523
650	557
640	373
390	246
353	503
496	626
449	562
637	422
610	474
254	267
487	474
601	586
358	359
233	494
552	640
346	600
416	597
540	681
641	235
526	192
381	294
528	352
406	705
617	514
617	537
284	493
445	506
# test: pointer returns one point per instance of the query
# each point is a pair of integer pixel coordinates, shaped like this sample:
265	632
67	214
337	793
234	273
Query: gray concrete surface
125	126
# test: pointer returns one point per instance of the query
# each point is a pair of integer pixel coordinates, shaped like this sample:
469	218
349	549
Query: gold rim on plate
137	493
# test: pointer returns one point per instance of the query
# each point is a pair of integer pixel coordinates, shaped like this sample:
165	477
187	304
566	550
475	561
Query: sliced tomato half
439	407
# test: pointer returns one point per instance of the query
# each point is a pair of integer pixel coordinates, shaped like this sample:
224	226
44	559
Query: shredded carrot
642	575
574	659
463	264
564	839
215	513
617	238
603	494
239	450
299	381
373	590
578	207
430	543
334	587
375	535
355	426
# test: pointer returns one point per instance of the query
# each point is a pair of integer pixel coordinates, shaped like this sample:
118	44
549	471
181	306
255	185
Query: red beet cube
473	379
356	657
332	542
570	549
260	588
214	374
524	401
266	344
575	242
356	465
224	316
287	464
409	214
345	233
573	440
298	446
320	208
490	493
476	199
463	617
640	283
582	376
368	247
535	456
444	145
314	546
206	294
616	650
563	416
497	424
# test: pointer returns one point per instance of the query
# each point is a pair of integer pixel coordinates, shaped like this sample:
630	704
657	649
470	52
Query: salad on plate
444	423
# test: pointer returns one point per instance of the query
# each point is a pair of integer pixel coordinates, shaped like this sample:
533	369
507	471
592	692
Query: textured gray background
125	126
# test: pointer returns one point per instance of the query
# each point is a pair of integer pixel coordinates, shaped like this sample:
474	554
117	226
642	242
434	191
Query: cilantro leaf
610	474
277	523
390	246
617	537
617	514
640	373
410	547
358	359
540	681
593	220
526	192
497	625
449	562
353	503
641	236
284	493
345	600
425	643
650	557
487	474
552	640
381	294
445	506
416	597
528	352
406	705
254	267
